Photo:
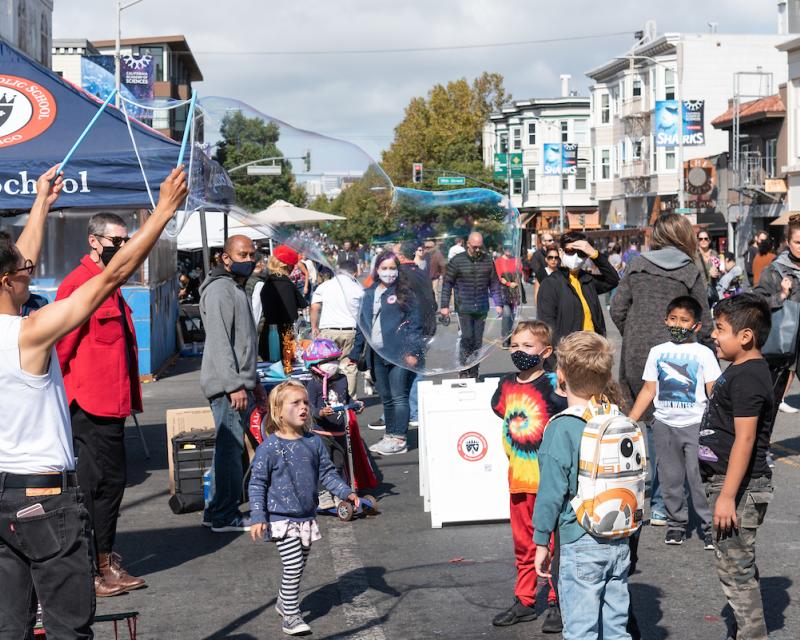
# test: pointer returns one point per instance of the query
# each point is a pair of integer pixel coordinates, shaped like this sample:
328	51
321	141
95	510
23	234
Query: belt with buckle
338	329
60	480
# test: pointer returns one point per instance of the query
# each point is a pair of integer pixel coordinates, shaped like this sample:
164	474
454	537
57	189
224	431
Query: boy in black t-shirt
734	438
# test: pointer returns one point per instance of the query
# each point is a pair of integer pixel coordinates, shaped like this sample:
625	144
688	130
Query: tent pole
225	226
204	240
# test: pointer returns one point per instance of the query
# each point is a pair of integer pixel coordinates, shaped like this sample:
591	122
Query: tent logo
26	110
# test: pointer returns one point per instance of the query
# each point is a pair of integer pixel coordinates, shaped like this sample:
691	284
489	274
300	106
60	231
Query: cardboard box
178	420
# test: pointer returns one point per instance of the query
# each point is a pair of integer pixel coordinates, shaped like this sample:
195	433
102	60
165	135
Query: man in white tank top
44	526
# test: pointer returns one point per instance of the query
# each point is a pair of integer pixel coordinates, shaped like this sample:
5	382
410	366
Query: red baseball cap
286	255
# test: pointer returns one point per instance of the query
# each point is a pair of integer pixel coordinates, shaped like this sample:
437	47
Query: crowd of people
71	368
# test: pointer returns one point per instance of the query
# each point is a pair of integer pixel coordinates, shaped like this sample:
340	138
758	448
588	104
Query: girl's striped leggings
293	556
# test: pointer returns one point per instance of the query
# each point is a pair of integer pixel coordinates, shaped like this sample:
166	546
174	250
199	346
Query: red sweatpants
525	550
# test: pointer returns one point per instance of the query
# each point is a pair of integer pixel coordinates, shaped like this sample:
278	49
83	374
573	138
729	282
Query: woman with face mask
569	297
390	337
280	302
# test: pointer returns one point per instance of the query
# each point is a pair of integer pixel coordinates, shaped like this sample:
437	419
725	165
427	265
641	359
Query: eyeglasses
117	241
29	266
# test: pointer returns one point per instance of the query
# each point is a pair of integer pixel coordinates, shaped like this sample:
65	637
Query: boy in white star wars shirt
678	378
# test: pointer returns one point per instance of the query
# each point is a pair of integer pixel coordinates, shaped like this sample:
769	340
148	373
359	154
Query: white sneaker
785	407
326	500
413	423
390	446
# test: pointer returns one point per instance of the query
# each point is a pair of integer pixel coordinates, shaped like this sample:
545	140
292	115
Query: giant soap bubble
242	161
435	272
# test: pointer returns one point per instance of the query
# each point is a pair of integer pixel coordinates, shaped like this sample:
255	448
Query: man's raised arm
30	240
52	322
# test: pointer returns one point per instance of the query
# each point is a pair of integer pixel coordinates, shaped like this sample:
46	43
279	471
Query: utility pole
679	96
561	191
121	6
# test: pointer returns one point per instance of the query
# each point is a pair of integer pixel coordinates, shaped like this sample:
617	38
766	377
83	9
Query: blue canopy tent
41	116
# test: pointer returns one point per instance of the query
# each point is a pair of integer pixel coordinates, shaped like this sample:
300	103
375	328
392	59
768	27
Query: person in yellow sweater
569	297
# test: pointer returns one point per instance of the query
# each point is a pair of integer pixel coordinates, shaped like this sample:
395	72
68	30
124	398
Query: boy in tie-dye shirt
526	400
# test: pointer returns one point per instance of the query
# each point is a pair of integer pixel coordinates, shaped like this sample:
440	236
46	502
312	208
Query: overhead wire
462	47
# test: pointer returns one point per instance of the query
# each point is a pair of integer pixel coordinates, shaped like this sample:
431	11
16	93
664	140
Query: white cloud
363	96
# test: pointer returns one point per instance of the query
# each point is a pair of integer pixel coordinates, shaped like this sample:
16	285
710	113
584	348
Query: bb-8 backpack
612	472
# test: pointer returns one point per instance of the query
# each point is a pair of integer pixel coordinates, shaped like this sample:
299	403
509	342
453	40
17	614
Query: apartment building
633	178
525	126
28	26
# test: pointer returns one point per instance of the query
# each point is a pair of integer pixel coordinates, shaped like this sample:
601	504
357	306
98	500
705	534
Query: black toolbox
193	455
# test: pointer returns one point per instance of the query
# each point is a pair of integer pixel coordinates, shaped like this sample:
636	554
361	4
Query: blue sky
361	97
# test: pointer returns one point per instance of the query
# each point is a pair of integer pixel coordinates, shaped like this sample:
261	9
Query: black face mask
108	253
524	361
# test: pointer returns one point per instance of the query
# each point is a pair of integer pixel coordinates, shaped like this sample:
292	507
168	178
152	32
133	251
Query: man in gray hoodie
228	376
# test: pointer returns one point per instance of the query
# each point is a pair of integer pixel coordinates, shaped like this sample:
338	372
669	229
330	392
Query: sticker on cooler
472	446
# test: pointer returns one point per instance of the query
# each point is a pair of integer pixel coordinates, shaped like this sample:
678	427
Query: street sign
264	170
684	210
516	165
451	180
500	165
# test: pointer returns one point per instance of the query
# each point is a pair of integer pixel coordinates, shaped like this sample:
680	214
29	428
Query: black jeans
472	324
100	446
46	557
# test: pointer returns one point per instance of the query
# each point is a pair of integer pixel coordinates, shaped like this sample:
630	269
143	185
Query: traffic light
307	160
416	172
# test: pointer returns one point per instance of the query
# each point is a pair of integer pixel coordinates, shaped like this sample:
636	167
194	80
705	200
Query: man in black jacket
472	277
568	298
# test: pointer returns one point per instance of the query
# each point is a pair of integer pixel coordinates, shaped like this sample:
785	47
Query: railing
633	107
635	169
754	169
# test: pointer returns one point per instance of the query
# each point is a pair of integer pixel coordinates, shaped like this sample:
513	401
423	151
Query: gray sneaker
390	446
326	500
279	607
294	625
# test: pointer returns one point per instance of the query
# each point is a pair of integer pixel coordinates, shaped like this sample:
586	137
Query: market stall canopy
190	237
42	115
282	212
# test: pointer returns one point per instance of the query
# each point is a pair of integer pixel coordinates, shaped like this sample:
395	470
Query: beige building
632	177
28	26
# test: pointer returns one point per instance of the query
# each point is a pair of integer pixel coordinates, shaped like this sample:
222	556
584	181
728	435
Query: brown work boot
113	572
102	589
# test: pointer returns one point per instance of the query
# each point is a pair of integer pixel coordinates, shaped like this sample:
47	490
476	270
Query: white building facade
525	127
632	178
28	26
792	167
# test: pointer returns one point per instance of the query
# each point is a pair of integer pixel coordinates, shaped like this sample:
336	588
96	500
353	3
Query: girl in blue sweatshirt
287	468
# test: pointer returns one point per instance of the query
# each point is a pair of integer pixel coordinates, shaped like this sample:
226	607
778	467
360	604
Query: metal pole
561	191
204	240
678	95
117	53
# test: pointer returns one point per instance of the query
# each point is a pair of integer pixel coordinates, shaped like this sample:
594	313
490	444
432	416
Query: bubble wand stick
189	117
85	131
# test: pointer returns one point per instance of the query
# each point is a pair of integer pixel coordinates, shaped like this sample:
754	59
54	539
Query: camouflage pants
736	555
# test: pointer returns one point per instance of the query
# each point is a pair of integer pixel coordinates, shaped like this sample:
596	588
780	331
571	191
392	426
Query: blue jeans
593	586
507	324
227	473
656	500
394	386
413	402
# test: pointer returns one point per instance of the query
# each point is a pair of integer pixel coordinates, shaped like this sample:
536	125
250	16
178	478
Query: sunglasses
117	241
29	267
704	239
553	257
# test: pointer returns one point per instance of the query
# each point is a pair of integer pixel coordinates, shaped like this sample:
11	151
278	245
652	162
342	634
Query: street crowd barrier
463	470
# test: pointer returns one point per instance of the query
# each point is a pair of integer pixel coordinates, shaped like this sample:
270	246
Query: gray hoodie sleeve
769	286
221	372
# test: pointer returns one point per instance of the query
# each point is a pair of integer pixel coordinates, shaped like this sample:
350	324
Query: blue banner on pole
560	158
669	116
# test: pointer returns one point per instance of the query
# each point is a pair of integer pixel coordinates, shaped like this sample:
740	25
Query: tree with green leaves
444	131
244	140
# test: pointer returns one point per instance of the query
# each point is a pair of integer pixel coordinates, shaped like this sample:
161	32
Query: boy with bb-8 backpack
591	488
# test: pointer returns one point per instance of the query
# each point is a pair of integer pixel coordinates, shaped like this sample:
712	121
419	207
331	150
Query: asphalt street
393	576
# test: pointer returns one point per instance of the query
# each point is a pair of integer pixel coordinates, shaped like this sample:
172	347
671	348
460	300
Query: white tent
282	212
190	238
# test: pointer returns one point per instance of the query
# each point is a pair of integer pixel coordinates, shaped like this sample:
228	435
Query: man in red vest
99	362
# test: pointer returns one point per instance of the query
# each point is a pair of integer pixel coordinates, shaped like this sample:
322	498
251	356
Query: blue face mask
243	269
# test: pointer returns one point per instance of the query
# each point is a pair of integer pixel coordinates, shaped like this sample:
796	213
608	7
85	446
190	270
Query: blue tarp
41	116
